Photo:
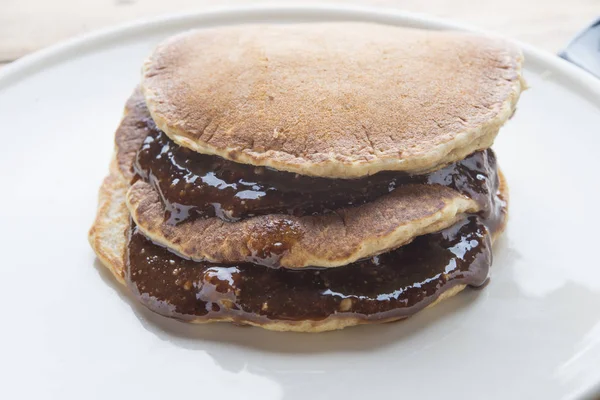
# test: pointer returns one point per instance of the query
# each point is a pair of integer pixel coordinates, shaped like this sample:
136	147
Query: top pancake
333	99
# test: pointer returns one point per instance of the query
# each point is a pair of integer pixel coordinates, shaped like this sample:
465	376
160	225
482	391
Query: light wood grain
28	25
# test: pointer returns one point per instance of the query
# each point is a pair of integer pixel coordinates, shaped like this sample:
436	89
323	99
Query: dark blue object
584	50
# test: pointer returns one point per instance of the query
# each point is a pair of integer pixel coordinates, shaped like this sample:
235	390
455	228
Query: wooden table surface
28	25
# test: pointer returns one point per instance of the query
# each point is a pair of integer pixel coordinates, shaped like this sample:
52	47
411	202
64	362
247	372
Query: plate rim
40	59
579	80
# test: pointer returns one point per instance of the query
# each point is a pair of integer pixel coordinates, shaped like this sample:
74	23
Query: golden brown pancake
330	240
329	100
108	233
333	99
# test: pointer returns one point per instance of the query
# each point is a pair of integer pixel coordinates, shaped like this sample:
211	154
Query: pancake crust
333	99
108	239
329	240
107	235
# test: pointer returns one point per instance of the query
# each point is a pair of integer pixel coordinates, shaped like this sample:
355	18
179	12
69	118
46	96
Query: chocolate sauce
476	177
395	284
392	285
194	185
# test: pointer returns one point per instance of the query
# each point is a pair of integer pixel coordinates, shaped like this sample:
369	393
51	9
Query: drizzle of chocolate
193	185
392	285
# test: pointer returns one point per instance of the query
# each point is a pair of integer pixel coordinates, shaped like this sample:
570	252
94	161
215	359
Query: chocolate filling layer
194	185
389	286
392	285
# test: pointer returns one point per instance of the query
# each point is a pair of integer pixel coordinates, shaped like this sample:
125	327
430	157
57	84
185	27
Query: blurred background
28	25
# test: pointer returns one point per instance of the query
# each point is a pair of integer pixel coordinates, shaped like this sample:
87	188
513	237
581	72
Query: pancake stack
308	177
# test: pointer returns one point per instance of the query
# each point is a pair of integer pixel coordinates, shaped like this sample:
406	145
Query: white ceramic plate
70	332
